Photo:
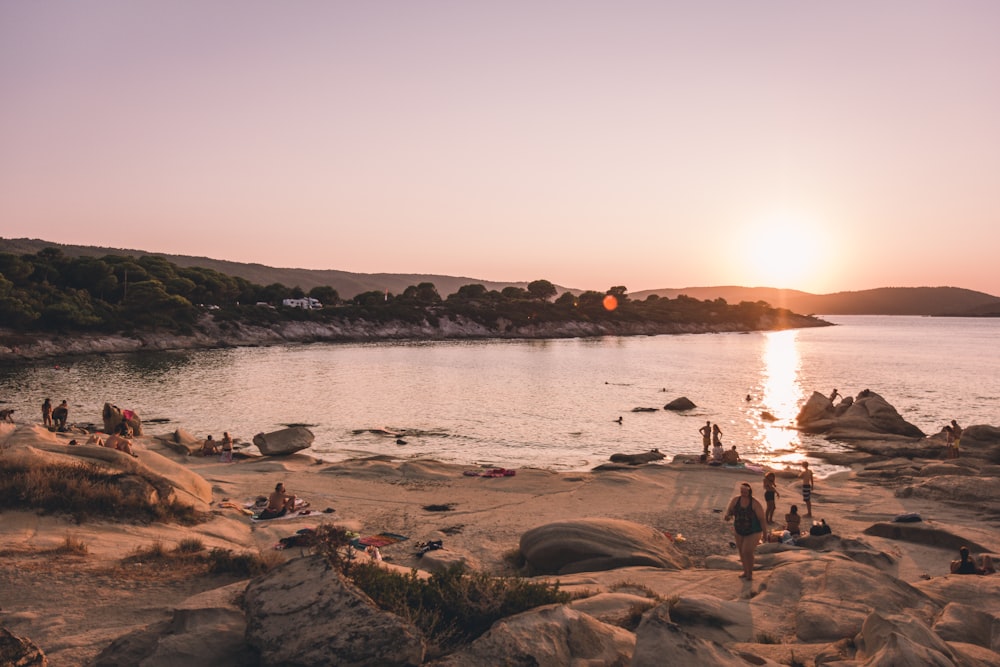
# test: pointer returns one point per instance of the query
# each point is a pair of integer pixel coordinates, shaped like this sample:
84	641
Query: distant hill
882	301
954	301
347	284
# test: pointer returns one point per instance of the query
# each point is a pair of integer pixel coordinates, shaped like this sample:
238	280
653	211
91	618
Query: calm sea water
546	403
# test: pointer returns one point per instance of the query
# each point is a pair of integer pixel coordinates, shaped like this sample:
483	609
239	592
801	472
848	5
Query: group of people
223	449
952	433
55	417
750	518
120	440
711	438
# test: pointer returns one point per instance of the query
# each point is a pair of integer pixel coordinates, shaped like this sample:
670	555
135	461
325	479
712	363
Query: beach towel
380	540
495	472
301	509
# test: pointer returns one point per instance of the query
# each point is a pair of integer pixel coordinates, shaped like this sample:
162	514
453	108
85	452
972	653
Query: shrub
190	545
245	564
83	491
72	545
450	608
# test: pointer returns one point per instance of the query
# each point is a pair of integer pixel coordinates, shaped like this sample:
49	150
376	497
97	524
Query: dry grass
86	491
71	546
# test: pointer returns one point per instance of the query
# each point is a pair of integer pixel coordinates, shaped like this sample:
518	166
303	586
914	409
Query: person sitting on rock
279	503
731	456
967	565
793	522
209	447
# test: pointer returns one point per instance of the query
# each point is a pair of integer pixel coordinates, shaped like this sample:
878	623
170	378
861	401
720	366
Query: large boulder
901	639
20	651
660	641
869	414
587	545
284	442
638	459
680	404
981	441
211	637
551	636
305	613
112	416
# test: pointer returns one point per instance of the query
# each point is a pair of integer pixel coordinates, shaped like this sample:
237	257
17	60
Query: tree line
51	292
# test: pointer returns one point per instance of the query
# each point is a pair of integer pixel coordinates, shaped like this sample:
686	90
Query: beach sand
72	606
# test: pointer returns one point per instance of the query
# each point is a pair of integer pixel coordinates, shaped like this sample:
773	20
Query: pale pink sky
819	146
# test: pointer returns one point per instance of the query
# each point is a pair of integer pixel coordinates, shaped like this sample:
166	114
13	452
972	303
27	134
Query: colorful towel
380	540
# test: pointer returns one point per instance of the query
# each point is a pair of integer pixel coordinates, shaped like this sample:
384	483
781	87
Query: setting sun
782	250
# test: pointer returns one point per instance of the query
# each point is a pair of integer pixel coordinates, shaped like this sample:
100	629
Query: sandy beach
73	605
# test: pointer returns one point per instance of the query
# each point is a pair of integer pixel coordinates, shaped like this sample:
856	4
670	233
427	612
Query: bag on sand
820	528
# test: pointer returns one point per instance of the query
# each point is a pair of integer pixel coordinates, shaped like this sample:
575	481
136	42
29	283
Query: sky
820	146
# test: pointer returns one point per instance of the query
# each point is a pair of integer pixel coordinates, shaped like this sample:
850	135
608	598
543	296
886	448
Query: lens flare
610	302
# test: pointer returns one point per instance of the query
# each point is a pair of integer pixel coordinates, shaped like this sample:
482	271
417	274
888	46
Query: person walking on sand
706	437
808	484
47	413
770	493
748	524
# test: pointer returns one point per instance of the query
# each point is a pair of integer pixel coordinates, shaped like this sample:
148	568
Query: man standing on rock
807	486
706	438
956	431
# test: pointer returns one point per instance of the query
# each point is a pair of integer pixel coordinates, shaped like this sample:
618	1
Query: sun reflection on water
780	397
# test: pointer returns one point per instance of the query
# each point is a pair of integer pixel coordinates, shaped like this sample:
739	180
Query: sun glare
781	250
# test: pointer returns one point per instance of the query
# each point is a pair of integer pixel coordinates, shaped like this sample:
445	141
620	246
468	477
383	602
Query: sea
551	404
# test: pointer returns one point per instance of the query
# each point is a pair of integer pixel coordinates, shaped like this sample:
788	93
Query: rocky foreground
875	592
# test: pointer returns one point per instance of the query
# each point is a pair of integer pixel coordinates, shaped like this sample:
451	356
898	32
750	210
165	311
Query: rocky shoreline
208	334
877	591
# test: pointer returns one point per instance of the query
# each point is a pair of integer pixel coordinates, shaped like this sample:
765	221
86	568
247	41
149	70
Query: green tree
424	293
542	290
514	293
325	295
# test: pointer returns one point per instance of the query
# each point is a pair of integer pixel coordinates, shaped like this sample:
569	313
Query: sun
782	250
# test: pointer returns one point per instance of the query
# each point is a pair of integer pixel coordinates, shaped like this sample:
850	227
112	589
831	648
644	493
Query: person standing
716	435
227	448
706	437
770	493
748	525
808	484
956	431
47	413
949	442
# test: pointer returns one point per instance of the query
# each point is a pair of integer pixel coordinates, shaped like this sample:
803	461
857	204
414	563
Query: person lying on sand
279	503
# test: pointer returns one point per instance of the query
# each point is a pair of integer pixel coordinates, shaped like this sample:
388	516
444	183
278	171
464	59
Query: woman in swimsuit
748	524
770	493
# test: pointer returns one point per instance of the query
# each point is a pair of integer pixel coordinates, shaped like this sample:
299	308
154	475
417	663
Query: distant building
308	303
